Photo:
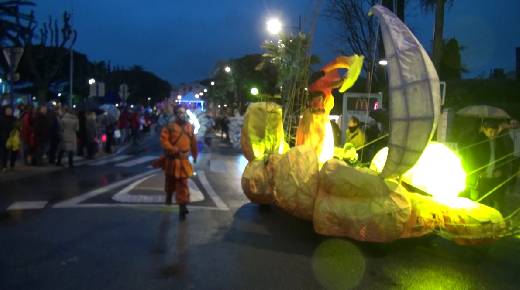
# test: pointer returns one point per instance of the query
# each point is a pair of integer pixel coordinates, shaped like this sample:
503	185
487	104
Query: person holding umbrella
488	161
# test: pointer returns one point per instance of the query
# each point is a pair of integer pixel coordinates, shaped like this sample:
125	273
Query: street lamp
227	69
149	99
205	90
179	97
197	96
274	26
91	81
59	94
212	83
254	91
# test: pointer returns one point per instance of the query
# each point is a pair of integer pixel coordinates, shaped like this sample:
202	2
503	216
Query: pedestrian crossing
122	160
110	160
137	161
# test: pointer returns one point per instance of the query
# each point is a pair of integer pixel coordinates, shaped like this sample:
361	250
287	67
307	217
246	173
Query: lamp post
383	62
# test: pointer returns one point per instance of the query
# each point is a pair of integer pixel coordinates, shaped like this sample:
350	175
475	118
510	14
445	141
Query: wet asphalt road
94	242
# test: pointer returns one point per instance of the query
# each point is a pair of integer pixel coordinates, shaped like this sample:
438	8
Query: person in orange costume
178	140
311	130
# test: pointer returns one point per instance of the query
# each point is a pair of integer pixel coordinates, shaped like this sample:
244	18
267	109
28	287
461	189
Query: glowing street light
254	91
227	69
274	26
383	62
59	94
205	90
212	83
179	97
197	96
149	99
91	81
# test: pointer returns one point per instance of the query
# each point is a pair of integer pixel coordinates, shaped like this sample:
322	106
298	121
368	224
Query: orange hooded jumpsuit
178	140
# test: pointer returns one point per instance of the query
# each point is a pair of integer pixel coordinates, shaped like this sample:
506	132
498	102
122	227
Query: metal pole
71	68
11	86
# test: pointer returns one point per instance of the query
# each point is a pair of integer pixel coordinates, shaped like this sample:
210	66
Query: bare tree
357	30
43	61
15	24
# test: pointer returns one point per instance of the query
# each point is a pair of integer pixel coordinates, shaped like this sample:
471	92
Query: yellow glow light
438	171
327	151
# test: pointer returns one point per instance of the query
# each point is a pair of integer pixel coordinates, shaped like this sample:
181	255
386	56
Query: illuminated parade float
411	187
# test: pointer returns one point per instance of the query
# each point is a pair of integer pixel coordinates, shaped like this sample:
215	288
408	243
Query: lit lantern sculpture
411	187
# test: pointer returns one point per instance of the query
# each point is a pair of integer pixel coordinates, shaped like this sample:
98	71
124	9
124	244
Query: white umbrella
484	112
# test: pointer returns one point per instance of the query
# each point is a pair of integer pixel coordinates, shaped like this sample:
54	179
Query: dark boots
169	196
183	211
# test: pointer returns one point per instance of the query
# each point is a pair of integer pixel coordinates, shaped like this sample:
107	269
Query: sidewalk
22	170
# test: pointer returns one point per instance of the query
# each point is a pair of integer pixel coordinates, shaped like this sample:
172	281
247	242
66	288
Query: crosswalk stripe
80	198
21	205
134	162
125	196
109	160
211	192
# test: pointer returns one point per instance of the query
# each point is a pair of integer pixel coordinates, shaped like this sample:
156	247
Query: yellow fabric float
262	131
296	181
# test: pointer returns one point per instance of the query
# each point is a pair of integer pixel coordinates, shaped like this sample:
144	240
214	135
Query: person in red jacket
27	134
124	125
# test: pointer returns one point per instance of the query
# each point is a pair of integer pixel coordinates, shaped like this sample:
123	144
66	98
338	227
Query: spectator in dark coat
91	136
42	129
54	134
82	133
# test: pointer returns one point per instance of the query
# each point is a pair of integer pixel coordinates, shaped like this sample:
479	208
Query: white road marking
218	166
125	196
226	165
122	148
22	205
212	194
110	160
136	161
78	199
137	205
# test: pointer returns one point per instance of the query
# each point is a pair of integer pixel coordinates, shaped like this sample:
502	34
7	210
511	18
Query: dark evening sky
181	40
